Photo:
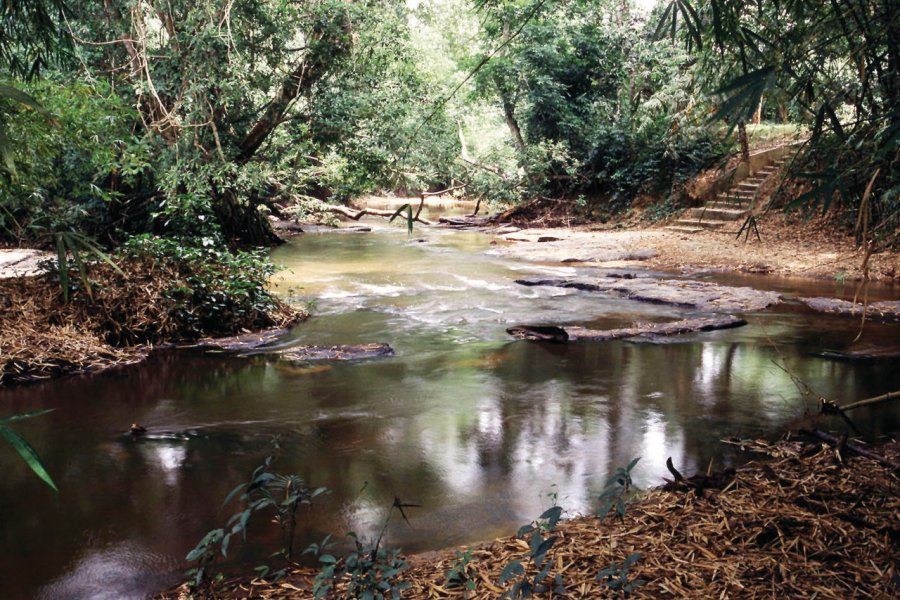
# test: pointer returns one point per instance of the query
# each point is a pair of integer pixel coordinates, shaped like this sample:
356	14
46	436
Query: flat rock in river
264	343
886	309
701	295
341	352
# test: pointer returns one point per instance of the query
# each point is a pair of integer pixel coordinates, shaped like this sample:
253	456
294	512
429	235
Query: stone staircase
730	207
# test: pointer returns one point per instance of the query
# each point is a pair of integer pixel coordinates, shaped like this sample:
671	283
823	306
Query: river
476	427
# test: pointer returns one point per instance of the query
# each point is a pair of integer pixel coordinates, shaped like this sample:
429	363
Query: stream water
474	426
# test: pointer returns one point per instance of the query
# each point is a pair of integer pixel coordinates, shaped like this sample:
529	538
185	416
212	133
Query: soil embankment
113	321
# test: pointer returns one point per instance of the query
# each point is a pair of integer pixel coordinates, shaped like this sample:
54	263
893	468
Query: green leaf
233	493
510	571
409	216
22	416
7	91
29	455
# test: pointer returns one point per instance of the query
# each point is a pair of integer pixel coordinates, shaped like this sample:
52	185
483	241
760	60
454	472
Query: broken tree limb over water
562	335
882	310
701	295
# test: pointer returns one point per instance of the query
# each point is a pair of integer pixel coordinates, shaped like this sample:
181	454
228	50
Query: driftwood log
563	335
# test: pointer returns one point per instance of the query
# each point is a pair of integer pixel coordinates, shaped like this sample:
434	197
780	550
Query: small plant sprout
523	584
264	491
616	490
459	576
371	571
615	577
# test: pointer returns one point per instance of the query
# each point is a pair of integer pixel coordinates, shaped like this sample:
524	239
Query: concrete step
684	228
739	196
746	187
734	197
716	214
701	224
731	204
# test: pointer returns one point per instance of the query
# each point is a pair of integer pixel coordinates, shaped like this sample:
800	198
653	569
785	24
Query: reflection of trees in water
474	432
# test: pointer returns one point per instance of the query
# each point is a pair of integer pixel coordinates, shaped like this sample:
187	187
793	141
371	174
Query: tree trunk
757	115
300	81
243	224
242	221
744	141
511	122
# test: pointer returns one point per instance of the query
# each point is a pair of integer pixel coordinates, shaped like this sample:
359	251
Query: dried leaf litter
805	522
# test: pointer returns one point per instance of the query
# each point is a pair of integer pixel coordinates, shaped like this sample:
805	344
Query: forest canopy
199	119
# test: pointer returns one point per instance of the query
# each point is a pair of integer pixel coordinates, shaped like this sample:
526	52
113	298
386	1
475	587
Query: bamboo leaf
23	416
94	249
7	91
29	455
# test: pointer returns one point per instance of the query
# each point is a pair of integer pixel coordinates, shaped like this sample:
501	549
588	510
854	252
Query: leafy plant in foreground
24	449
615	577
524	584
282	494
370	570
458	575
615	492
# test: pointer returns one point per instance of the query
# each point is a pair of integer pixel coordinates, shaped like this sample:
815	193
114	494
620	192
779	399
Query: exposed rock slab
863	355
340	352
701	295
466	222
257	343
884	310
22	262
562	335
243	342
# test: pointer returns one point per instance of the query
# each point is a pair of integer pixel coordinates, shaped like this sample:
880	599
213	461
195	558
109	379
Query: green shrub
213	288
72	165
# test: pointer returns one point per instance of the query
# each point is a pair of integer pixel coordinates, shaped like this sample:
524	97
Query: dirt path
811	249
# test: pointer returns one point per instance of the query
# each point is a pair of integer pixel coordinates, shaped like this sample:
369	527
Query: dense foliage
834	66
198	119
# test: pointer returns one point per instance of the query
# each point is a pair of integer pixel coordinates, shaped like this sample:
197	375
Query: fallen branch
844	445
895	395
356	215
559	334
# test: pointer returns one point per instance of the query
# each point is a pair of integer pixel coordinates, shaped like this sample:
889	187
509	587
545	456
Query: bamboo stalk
870	401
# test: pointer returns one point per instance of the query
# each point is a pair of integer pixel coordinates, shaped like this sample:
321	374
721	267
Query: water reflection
476	428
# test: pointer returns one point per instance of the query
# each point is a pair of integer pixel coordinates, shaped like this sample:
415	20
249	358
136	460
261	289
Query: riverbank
792	248
806	520
114	317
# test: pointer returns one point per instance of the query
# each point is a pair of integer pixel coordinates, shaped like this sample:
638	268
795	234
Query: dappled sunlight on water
474	426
